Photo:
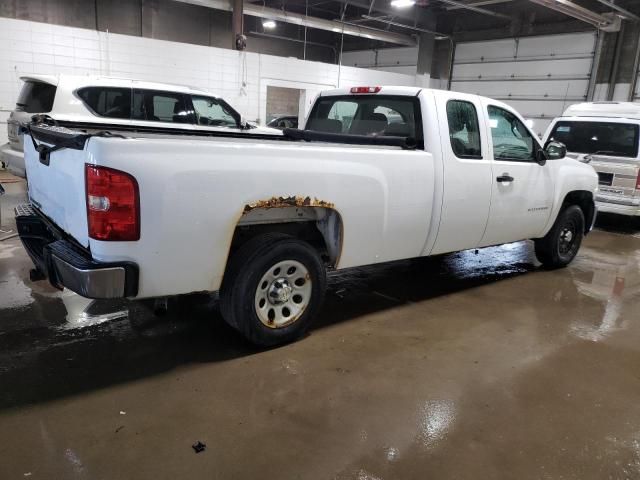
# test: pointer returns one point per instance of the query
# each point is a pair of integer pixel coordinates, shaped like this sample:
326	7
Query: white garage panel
540	76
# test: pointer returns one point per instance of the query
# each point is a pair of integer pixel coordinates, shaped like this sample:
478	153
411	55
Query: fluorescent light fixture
270	24
403	3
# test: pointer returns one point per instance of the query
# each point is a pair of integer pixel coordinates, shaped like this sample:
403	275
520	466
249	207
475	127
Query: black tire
248	266
556	249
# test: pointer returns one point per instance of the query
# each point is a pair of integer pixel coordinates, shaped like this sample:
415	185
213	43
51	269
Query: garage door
539	76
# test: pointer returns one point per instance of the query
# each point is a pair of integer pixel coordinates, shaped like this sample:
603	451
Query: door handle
504	178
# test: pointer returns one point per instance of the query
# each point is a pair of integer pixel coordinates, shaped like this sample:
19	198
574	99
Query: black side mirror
541	157
555	150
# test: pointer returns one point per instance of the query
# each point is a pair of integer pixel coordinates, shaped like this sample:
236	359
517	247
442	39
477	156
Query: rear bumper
620	209
67	265
13	159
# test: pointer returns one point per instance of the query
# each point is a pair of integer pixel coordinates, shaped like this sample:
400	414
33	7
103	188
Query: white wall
240	77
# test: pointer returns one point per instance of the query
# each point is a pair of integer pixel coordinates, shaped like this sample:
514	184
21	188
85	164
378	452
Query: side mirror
555	150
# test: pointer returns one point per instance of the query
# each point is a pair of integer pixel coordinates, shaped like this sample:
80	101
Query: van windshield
606	138
36	97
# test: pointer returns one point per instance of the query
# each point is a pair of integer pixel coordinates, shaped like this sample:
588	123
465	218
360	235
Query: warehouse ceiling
462	19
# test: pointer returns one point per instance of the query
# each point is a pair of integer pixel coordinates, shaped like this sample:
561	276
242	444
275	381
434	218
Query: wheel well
321	227
584	200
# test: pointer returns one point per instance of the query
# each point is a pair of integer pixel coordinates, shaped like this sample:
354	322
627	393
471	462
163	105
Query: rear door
521	189
467	175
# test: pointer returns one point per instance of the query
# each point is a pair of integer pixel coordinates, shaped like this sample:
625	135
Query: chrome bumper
67	265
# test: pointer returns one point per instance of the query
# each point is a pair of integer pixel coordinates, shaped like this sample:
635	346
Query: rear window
605	138
369	115
36	97
110	102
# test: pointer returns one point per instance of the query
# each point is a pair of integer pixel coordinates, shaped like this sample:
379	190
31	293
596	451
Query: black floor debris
199	447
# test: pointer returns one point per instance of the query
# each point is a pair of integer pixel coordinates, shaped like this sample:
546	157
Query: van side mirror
555	150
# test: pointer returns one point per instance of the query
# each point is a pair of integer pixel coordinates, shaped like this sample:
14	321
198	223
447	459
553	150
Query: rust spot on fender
291	201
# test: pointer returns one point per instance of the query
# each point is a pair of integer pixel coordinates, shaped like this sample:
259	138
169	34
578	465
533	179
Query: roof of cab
77	81
604	109
384	89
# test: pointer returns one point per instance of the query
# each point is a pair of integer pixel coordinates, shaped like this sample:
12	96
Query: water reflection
435	420
83	312
612	279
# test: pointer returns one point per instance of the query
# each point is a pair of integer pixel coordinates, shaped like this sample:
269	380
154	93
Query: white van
605	135
116	103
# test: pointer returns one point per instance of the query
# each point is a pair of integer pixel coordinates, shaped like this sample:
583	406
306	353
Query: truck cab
605	135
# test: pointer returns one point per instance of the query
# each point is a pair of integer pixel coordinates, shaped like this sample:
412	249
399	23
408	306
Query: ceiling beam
471	7
480	3
625	13
576	11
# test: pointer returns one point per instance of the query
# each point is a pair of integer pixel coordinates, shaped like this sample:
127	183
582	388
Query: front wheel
560	246
273	288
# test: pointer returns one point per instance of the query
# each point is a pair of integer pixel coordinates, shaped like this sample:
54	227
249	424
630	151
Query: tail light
638	181
113	204
365	89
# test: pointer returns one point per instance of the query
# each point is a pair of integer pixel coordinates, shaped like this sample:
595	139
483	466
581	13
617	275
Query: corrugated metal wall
539	76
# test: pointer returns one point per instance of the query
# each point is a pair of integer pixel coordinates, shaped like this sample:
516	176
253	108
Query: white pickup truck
378	174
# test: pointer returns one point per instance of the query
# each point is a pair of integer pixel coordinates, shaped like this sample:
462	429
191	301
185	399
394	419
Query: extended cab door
467	176
522	190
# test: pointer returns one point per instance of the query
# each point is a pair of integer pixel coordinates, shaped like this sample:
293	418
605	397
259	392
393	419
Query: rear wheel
273	289
560	246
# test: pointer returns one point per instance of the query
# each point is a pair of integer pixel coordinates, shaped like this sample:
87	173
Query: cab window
213	112
511	139
464	130
368	115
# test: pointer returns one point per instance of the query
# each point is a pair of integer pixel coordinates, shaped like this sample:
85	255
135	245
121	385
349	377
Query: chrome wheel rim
283	294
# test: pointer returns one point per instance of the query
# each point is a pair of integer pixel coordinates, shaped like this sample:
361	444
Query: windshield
370	115
606	138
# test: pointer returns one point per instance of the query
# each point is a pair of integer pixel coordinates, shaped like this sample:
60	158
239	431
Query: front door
522	190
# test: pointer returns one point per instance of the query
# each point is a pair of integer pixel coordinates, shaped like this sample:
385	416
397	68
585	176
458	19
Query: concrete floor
464	366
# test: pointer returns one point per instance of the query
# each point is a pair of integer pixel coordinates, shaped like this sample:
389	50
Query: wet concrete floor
468	366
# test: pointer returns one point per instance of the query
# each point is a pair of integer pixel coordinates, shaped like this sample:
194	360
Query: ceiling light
403	3
270	24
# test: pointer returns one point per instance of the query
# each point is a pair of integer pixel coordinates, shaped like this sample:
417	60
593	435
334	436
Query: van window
110	102
160	106
464	130
606	138
36	97
511	139
213	112
369	115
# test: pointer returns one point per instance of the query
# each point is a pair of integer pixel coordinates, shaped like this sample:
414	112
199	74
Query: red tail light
113	204
365	89
638	181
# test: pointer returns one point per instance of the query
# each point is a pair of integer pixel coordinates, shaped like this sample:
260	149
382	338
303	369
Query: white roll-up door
539	76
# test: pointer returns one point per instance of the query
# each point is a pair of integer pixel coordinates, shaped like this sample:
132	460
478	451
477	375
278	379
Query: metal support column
237	25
